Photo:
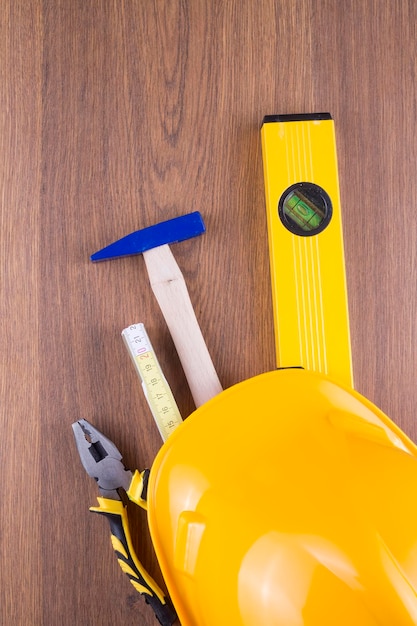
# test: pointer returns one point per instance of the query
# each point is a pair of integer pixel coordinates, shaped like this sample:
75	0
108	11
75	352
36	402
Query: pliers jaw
101	460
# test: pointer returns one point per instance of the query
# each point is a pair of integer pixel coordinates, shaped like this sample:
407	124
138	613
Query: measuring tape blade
154	384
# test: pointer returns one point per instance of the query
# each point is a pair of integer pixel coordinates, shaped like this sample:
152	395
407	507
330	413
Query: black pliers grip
102	461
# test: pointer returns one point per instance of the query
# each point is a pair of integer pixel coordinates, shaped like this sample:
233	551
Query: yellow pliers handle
116	513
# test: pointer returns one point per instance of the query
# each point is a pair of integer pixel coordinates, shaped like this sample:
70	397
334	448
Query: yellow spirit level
306	244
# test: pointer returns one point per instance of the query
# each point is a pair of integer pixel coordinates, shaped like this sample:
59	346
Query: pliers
103	462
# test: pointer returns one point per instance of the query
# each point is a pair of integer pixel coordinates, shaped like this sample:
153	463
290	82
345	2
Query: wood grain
115	115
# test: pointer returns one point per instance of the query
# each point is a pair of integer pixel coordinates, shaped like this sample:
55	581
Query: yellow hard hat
287	500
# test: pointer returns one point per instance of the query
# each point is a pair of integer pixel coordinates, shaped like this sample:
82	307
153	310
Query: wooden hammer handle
171	292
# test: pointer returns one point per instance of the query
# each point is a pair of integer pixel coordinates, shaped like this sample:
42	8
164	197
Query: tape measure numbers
155	386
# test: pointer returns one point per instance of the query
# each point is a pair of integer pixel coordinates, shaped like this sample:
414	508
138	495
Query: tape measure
306	244
155	386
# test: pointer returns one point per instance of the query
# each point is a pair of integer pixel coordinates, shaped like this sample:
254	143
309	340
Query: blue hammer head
170	231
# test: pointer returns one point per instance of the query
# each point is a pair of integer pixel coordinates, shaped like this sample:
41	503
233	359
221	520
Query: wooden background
118	114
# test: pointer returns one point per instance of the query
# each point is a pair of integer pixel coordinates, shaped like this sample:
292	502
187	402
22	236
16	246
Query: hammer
171	292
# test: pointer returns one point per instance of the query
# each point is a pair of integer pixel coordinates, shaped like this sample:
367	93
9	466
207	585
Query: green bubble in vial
302	213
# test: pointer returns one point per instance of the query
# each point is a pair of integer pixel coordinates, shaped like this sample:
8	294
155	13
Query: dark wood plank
118	115
20	175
